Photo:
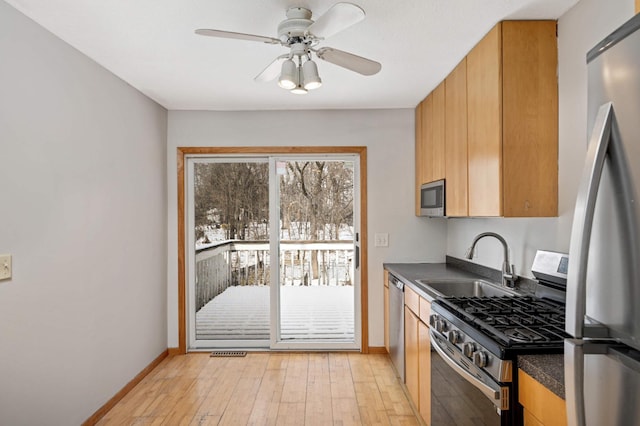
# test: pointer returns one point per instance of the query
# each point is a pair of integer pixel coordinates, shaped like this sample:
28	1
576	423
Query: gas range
492	331
480	338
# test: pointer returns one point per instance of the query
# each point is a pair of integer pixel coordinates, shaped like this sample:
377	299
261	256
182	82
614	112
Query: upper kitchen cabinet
456	141
512	121
430	143
419	153
430	149
435	143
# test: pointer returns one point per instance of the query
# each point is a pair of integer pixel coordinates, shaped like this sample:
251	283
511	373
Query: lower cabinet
411	355
541	407
418	353
424	371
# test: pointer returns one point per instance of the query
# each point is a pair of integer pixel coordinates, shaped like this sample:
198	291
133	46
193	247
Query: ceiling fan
296	70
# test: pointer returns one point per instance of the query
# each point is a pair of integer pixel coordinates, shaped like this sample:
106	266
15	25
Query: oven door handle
493	394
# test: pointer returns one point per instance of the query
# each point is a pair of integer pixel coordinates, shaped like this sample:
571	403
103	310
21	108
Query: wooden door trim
182	282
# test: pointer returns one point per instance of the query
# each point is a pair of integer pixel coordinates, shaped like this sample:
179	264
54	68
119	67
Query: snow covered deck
308	313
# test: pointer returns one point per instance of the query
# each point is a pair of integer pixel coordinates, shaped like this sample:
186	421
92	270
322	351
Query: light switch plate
381	240
5	266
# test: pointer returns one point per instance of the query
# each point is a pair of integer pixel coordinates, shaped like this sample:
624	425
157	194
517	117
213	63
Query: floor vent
228	353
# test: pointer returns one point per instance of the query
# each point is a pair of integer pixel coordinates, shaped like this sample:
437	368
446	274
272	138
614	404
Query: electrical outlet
381	240
5	266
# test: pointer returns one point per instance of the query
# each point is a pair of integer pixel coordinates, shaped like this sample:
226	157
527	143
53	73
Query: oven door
463	394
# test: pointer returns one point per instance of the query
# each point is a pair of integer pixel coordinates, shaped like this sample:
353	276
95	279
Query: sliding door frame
182	152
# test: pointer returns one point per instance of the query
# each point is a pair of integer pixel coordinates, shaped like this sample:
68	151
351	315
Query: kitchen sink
465	287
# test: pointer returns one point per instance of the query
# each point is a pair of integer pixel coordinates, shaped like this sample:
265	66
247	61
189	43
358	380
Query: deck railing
233	263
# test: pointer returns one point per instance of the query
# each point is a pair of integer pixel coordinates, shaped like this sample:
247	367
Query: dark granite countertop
546	369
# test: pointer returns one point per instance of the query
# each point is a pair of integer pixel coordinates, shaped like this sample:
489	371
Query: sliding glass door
229	277
316	236
271	259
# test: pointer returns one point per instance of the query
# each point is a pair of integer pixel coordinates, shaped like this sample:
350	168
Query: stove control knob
480	358
455	336
432	320
440	325
469	348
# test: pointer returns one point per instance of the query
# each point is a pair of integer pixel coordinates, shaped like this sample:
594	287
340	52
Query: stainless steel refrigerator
602	361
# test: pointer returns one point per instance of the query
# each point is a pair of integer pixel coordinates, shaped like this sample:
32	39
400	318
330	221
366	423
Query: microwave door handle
583	221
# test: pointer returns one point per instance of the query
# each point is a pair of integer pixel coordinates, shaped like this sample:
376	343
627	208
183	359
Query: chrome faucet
509	276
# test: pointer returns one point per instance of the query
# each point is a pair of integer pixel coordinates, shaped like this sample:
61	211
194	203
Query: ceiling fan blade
238	36
272	70
349	61
339	17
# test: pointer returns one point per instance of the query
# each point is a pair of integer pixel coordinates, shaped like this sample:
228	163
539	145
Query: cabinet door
412	300
420	162
456	141
425	310
484	102
426	172
436	143
530	118
540	403
412	378
424	363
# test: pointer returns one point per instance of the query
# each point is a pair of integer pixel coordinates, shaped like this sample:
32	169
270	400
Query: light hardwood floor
267	389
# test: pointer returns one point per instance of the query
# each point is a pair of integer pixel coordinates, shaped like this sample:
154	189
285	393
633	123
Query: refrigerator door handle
583	221
574	382
574	352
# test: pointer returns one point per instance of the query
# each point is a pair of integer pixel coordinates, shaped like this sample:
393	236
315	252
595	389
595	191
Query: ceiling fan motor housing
296	24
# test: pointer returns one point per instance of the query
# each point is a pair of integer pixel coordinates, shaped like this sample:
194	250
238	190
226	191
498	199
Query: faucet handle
509	276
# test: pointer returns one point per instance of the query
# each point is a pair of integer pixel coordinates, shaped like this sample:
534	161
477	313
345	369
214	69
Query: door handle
583	221
574	382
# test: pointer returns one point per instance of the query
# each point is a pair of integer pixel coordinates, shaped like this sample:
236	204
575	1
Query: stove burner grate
523	335
513	320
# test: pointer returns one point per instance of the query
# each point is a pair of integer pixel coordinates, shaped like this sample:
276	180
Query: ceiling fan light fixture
311	78
288	75
299	89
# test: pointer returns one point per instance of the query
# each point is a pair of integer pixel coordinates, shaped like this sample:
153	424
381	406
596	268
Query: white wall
83	212
588	22
389	138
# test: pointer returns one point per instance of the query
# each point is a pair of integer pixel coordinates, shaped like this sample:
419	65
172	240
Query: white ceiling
151	45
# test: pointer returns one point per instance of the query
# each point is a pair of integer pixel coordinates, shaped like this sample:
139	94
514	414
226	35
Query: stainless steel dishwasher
396	324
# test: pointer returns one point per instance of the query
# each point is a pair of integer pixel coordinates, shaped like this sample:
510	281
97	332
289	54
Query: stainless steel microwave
432	196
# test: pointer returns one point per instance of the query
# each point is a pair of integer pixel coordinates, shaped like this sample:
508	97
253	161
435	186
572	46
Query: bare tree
237	194
316	202
318	194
